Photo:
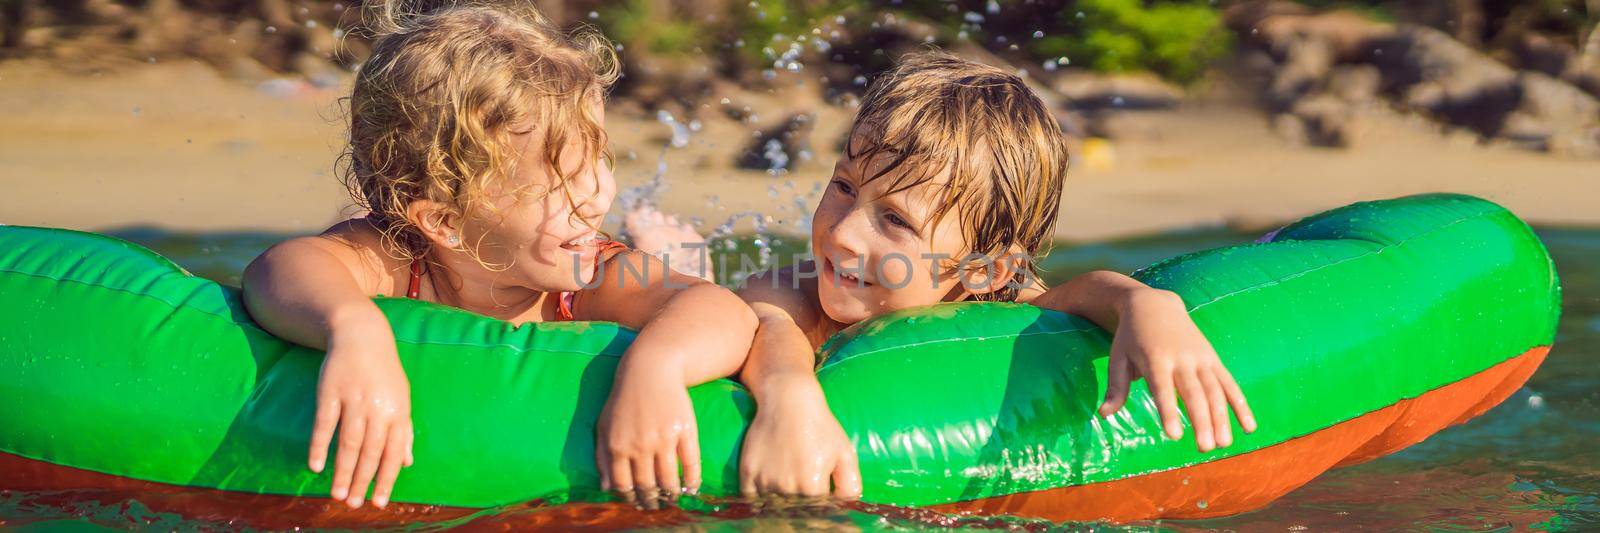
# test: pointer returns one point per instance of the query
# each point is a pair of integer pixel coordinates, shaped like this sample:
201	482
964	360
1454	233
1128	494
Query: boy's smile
874	252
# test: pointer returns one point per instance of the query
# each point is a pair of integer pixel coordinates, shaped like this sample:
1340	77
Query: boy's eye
844	187
897	220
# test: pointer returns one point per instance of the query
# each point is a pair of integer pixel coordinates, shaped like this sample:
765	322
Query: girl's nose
595	203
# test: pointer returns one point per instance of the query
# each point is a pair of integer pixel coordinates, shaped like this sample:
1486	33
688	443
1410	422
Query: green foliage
1175	40
758	24
637	24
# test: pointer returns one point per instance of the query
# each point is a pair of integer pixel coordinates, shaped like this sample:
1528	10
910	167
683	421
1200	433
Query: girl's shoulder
362	247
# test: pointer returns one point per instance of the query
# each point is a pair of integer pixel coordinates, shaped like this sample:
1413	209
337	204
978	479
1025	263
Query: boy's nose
849	234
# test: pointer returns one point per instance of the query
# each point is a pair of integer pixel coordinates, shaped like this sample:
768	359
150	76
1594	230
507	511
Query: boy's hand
363	392
1156	340
795	446
645	430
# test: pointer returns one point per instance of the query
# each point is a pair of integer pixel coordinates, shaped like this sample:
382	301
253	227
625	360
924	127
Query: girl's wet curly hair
434	107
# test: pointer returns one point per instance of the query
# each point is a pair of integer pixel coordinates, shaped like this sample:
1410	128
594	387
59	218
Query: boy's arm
690	332
1155	338
306	290
795	446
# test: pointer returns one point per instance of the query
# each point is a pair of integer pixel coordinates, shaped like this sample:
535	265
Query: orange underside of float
1217	488
1250	481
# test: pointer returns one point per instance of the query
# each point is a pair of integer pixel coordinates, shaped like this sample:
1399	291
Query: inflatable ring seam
512	347
1382	248
836	362
124	290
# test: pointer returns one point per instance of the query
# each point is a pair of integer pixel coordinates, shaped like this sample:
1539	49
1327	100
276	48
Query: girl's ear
437	222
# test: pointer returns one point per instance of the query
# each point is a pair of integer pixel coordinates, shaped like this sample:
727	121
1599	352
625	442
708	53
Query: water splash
777	158
646	193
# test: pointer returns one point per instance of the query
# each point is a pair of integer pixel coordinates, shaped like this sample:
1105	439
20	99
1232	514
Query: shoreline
175	146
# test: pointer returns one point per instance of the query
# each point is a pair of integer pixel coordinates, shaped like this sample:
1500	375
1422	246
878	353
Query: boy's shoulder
788	288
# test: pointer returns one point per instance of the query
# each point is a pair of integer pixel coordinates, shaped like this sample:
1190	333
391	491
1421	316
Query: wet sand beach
176	145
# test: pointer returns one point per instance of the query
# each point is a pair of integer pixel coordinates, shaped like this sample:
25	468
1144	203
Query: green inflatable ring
122	363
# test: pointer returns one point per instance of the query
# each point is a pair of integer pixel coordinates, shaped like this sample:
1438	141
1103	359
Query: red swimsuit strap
414	289
564	300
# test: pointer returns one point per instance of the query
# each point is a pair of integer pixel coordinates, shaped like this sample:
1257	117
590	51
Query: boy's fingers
1194	397
689	455
394	456
351	431
1166	403
367	465
847	477
411	442
1117	379
1219	410
813	486
1241	408
667	475
327	419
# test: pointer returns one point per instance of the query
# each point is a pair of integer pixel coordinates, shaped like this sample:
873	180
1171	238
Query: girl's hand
364	392
795	446
645	430
1156	340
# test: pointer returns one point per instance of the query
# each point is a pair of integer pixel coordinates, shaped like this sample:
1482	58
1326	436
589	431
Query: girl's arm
690	332
1156	339
315	291
795	446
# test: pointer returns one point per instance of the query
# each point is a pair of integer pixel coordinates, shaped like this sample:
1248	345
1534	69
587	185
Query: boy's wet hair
434	108
1001	150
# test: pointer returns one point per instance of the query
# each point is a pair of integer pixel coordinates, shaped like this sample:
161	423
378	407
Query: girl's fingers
394	455
1166	403
1194	397
847	476
351	431
603	463
326	420
689	455
645	489
1117	378
622	478
667	475
1241	408
1222	424
747	479
367	465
